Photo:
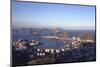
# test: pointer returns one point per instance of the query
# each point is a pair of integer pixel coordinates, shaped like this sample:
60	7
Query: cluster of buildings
44	51
70	43
24	44
75	42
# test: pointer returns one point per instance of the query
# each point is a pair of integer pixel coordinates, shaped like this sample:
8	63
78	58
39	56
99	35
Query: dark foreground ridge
86	52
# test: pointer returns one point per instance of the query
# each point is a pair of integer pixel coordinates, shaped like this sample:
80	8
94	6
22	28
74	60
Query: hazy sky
28	14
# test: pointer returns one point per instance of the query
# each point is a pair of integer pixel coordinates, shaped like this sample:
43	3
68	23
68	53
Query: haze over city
45	15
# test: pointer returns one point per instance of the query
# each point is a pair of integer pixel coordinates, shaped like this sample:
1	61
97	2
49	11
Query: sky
50	15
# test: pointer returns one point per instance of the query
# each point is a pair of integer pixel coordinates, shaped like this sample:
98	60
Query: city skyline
49	15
